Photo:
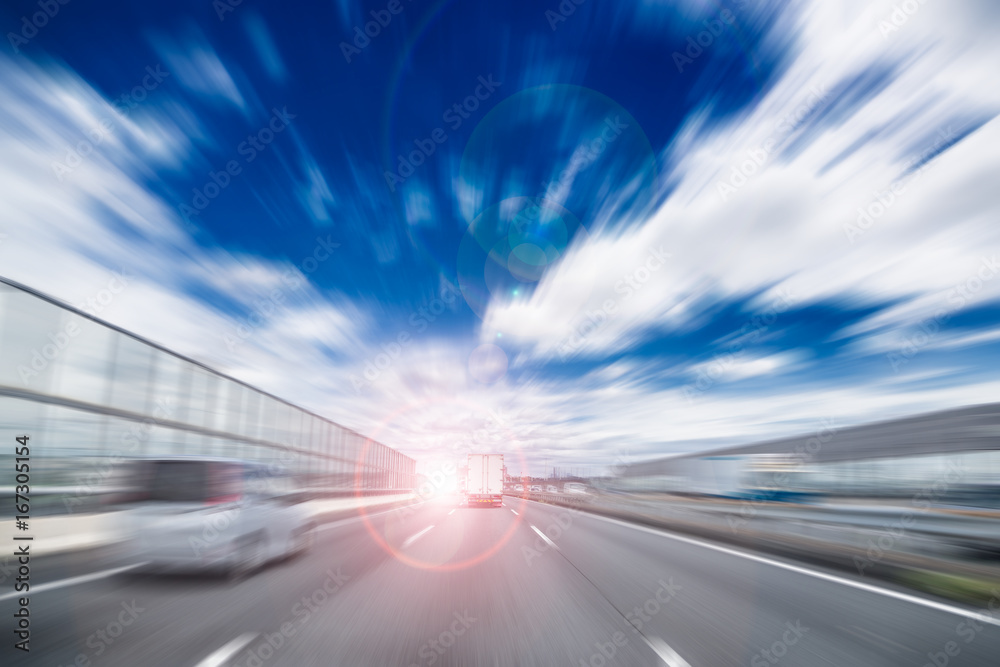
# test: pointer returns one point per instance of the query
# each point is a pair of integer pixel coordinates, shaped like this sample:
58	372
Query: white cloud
198	68
782	230
267	51
726	370
784	227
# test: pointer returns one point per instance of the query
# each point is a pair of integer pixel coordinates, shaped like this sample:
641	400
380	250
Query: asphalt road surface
525	584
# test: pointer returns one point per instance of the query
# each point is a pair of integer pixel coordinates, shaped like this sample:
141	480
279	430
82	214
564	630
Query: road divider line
844	581
668	655
413	538
73	581
546	538
515	513
224	653
451	512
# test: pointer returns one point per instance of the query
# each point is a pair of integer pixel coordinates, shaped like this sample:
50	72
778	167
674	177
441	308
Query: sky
581	233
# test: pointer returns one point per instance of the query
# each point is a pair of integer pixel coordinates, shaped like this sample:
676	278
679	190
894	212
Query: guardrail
58	534
55	500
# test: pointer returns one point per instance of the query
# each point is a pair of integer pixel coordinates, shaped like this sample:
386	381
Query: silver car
208	514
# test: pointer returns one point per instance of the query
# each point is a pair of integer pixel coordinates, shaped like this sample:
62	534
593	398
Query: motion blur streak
297	298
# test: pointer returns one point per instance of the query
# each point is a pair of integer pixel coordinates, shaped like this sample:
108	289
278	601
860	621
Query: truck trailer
484	480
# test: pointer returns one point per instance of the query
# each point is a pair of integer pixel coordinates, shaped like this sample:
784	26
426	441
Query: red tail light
221	500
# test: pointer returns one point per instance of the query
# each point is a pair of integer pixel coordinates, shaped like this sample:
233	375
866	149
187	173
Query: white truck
484	481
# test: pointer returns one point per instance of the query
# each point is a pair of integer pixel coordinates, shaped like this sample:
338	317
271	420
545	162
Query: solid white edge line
546	538
939	606
665	652
223	653
413	538
72	581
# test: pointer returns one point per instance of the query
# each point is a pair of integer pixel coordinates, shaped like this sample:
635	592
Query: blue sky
626	231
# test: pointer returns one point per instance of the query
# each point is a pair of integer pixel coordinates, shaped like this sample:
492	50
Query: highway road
525	584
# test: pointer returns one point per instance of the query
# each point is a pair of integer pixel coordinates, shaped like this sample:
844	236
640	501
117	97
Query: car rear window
188	481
